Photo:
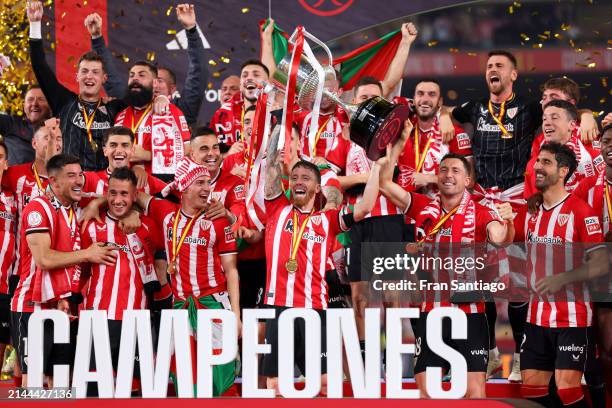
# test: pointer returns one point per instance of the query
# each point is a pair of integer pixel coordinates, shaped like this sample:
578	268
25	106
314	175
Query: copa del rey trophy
374	123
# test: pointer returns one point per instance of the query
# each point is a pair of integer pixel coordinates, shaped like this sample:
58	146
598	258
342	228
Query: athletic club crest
316	220
205	224
562	219
512	112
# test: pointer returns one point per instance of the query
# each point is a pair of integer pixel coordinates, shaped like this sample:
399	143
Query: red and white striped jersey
329	129
590	162
229	190
119	287
8	221
307	286
43	215
154	185
198	265
434	152
466	226
547	233
353	160
227	120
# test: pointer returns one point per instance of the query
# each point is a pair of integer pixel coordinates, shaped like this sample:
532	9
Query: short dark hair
117	130
466	163
201	131
251	108
124	173
143	63
4	146
170	72
606	128
309	166
564	156
565	85
366	80
504	53
32	87
59	161
432	80
92	56
569	108
255	62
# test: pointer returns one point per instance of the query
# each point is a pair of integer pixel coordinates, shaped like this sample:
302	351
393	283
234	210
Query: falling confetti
538	45
453	49
591	65
245	10
524	37
225	60
471	54
432	43
125	58
171	32
151	56
604	82
565	27
212	62
169	10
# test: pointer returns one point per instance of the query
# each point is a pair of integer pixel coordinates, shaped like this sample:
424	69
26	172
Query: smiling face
251	77
120	197
248	124
40	143
304	186
229	87
196	195
547	171
453	177
205	150
500	74
90	77
118	150
163	85
606	147
140	85
555	94
427	100
365	92
35	106
67	183
557	125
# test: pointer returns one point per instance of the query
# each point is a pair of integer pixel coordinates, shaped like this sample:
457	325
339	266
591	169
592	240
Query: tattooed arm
333	197
272	186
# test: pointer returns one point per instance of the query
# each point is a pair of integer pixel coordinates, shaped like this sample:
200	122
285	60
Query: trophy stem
349	108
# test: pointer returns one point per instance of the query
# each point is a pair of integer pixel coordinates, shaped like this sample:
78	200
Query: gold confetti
212	62
524	37
209	85
565	27
225	60
453	49
216	74
471	54
591	65
510	9
85	3
604	82
432	43
539	45
572	43
602	100
171	32
245	10
169	10
151	56
63	15
558	36
125	58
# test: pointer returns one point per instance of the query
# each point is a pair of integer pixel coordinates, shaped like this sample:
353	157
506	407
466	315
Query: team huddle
125	203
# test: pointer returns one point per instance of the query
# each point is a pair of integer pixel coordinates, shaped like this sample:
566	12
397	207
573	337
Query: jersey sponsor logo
34	219
446	232
6	215
592	225
229	234
512	112
479	352
531	237
483	126
572	348
101	227
562	219
77	120
463	140
239	192
289	225
599	163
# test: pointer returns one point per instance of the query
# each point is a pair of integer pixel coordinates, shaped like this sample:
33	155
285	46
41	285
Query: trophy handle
316	41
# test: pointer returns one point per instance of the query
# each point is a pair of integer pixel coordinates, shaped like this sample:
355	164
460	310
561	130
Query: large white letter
136	326
34	350
341	328
395	349
209	344
174	337
286	356
93	322
457	362
250	350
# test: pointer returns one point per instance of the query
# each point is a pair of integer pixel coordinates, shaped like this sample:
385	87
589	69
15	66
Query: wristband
36	30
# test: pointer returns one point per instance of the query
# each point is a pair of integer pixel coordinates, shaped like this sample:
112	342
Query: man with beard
161	139
558	334
17	131
298	241
419	162
227	121
596	192
51	254
229	87
190	99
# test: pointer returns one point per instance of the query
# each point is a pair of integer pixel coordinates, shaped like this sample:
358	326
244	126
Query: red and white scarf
463	228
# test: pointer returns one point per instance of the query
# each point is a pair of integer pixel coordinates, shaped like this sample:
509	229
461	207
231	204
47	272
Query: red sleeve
484	216
9	179
582	190
158	209
154	236
274	205
35	218
230	161
86	239
461	143
589	227
519	224
530	188
338	153
226	242
155	185
595	153
330	179
91	181
335	218
182	125
417	203
236	198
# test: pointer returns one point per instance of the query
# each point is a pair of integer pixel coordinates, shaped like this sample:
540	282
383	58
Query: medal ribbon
608	202
295	238
89	120
419	158
242	123
318	136
176	248
137	126
499	118
439	224
38	181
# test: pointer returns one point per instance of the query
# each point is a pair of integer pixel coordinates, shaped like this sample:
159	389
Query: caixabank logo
326	8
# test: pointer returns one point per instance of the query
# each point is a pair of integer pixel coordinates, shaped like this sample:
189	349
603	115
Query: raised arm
194	88
115	85
500	233
396	69
267	49
57	95
272	186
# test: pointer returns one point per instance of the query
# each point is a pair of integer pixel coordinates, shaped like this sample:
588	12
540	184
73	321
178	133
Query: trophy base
377	123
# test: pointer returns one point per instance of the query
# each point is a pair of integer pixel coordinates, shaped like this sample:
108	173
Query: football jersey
154	185
198	265
329	128
44	215
305	287
227	120
8	221
352	159
590	162
547	234
229	190
119	287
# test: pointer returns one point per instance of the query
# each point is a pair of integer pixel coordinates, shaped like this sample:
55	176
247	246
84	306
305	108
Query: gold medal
94	145
171	268
291	265
499	119
507	135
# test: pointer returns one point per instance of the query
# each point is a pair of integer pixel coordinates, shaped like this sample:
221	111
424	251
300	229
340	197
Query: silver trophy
374	123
